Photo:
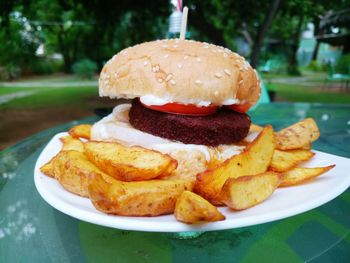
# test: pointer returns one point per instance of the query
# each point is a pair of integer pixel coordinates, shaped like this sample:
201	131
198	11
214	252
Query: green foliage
18	45
316	67
343	64
85	68
42	66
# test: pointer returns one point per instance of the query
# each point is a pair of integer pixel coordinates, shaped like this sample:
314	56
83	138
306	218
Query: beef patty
223	127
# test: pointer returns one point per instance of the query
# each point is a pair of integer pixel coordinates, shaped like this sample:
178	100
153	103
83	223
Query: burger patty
223	127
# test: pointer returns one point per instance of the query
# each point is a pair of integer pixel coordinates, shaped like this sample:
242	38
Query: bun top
183	71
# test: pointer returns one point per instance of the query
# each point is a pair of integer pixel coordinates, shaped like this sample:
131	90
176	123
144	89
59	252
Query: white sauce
153	100
116	127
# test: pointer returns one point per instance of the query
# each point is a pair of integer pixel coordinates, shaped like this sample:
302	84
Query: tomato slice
184	109
243	108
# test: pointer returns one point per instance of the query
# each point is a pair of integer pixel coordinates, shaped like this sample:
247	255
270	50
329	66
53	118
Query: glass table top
33	231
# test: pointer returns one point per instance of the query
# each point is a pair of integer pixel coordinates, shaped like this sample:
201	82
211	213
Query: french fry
80	131
247	191
255	159
129	163
71	144
285	160
72	170
144	198
299	175
191	208
298	135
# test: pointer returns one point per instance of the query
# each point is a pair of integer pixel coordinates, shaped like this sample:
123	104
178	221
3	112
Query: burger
188	99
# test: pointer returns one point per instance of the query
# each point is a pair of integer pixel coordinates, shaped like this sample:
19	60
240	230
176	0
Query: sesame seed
173	82
225	55
240	82
168	77
154	70
175	46
205	46
199	60
166	55
177	41
179	65
213	50
145	63
198	82
165	46
218	75
115	75
216	93
227	72
185	57
160	80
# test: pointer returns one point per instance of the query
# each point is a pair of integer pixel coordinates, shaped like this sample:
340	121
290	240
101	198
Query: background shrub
85	68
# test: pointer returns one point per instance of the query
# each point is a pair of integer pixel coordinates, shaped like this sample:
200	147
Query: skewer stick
183	23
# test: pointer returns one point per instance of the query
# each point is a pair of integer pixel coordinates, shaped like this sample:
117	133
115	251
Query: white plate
283	203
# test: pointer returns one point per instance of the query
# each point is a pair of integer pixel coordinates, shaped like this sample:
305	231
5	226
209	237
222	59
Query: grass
48	97
80	96
300	93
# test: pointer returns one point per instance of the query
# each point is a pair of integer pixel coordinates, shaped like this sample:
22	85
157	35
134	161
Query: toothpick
184	23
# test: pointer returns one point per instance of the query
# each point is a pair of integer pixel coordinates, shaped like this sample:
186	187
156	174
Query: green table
32	231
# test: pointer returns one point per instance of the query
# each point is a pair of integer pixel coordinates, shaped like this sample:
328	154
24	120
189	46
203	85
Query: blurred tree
18	44
222	21
90	28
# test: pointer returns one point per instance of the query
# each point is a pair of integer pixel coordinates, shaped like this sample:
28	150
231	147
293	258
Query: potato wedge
298	135
129	163
72	170
80	131
146	198
191	208
72	144
47	168
255	159
255	128
68	143
247	191
285	160
299	175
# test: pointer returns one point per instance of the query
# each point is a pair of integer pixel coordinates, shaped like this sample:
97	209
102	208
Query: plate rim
130	223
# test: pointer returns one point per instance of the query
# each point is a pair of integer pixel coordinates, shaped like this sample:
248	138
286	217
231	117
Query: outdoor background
51	51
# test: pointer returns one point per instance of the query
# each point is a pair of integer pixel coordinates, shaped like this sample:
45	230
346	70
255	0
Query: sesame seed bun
183	71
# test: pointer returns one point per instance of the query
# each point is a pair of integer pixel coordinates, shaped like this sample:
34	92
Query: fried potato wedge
255	159
255	128
72	170
247	191
285	160
72	144
191	208
145	198
80	131
129	163
68	144
47	168
298	135
299	175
